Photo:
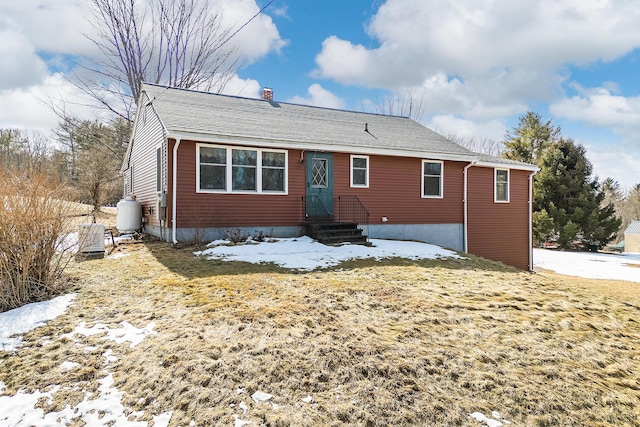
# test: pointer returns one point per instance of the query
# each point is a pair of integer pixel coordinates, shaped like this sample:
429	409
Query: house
204	164
632	237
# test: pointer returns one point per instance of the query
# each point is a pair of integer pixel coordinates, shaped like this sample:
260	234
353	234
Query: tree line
84	155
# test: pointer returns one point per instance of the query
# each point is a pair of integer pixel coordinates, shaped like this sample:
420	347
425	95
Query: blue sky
477	65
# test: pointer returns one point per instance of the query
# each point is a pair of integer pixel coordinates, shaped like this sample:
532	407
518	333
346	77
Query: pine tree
568	204
572	198
529	141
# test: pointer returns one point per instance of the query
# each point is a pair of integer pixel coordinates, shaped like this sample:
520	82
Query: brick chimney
267	94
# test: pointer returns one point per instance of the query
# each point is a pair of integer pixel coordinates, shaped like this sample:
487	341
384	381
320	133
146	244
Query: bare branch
179	43
477	144
408	105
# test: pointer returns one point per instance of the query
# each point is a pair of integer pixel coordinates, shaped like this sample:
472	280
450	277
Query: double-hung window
501	191
360	171
274	168
241	170
432	182
212	168
244	164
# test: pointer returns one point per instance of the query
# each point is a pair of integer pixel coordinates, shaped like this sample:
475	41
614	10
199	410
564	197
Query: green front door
319	202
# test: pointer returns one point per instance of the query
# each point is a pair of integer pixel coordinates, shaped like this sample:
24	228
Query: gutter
174	195
291	144
466	208
531	221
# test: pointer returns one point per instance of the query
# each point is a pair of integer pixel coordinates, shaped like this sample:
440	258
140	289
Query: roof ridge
344	110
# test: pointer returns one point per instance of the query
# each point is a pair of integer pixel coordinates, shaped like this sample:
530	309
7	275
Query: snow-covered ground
304	253
23	319
625	266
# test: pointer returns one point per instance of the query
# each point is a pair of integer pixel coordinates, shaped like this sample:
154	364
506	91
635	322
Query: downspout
531	221
466	209
174	196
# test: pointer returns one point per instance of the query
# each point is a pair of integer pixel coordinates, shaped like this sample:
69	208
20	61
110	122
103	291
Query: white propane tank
129	215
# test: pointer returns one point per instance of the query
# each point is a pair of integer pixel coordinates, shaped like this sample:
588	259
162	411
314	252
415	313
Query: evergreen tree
568	204
612	192
572	198
529	141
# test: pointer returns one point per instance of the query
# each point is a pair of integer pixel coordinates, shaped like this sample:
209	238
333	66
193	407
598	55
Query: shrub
35	223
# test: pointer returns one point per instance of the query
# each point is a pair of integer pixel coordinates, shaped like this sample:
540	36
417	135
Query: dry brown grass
391	343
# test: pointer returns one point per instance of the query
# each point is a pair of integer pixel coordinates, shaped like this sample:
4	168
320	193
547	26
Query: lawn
175	338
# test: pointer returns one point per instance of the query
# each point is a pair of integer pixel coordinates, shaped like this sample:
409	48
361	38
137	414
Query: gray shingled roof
193	112
633	228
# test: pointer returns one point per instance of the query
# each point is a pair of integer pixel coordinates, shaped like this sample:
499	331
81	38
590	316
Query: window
273	171
241	170
245	165
501	194
158	169
432	178
360	171
319	173
213	168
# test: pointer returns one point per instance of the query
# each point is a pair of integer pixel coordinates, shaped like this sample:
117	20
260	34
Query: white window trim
366	185
495	185
229	170
441	195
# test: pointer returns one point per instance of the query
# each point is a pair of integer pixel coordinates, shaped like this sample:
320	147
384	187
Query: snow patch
490	422
104	409
304	253
66	366
128	332
260	396
589	265
96	409
28	317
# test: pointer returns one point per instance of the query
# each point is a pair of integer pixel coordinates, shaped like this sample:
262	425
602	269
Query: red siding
234	210
395	186
394	192
499	231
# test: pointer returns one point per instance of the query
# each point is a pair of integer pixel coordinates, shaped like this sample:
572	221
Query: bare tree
24	150
630	207
90	158
477	144
180	43
409	105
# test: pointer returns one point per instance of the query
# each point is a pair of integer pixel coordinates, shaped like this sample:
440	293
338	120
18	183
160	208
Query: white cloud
20	65
236	86
37	39
259	38
600	107
319	97
471	37
25	108
615	161
482	59
54	27
449	124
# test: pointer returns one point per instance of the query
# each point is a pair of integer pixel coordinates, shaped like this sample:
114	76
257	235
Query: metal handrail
313	206
351	209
